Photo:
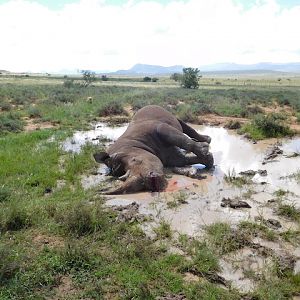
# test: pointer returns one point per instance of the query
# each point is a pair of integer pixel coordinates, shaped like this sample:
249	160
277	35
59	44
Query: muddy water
232	154
100	132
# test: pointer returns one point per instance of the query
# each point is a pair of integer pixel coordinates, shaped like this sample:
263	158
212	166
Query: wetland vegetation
60	241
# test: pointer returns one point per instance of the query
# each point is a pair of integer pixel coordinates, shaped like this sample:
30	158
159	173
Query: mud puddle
232	154
189	205
101	133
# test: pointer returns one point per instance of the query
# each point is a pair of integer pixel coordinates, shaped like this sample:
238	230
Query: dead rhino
152	141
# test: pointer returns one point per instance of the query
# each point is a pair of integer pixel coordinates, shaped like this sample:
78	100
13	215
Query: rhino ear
100	157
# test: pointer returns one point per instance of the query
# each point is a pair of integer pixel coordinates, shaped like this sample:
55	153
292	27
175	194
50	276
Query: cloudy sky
50	35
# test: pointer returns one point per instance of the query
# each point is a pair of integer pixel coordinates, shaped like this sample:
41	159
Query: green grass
289	211
224	239
280	193
252	229
266	126
239	181
163	230
100	256
178	199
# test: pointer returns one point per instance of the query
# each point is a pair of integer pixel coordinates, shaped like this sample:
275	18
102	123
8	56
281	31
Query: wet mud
206	197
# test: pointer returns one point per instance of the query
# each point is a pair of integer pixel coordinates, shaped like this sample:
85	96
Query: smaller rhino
152	141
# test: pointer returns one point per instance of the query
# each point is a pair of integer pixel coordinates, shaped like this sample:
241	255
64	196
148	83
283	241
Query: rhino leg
192	133
172	136
178	159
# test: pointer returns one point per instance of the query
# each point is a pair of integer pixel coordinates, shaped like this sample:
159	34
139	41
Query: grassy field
58	241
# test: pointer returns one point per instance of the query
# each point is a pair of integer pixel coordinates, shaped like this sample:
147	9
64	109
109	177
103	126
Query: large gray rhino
151	142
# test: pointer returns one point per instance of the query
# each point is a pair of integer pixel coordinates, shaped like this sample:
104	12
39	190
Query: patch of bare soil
31	125
65	289
275	108
115	120
171	297
42	240
215	120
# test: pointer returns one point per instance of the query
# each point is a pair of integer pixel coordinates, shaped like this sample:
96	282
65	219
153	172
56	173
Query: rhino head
139	169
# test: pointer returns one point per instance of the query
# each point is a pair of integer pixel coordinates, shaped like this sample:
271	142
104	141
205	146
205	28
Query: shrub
147	79
111	108
268	126
186	114
34	112
62	96
88	77
176	77
154	79
5	106
298	117
10	123
233	124
15	218
69	83
253	110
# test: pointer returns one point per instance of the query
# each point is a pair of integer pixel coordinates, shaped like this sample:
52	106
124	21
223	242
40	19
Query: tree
190	78
88	77
176	76
147	79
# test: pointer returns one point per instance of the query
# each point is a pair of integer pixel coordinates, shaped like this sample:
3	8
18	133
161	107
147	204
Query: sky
108	35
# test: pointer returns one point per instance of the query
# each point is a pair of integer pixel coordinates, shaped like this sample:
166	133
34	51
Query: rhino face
144	171
150	169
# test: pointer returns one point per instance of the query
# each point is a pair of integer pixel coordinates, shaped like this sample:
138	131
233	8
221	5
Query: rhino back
141	135
156	113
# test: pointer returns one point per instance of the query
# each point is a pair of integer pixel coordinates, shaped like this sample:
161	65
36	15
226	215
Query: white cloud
92	34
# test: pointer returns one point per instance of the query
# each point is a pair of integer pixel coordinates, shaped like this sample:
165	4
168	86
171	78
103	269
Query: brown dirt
115	120
65	289
31	125
44	240
215	120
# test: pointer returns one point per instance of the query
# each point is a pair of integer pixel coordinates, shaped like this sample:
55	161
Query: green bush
15	218
111	108
69	83
5	106
267	126
10	123
34	112
147	79
186	114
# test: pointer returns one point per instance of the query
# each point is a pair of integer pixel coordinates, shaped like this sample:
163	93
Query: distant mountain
264	66
143	69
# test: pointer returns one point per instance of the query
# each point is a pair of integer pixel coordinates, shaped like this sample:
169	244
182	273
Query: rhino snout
155	182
